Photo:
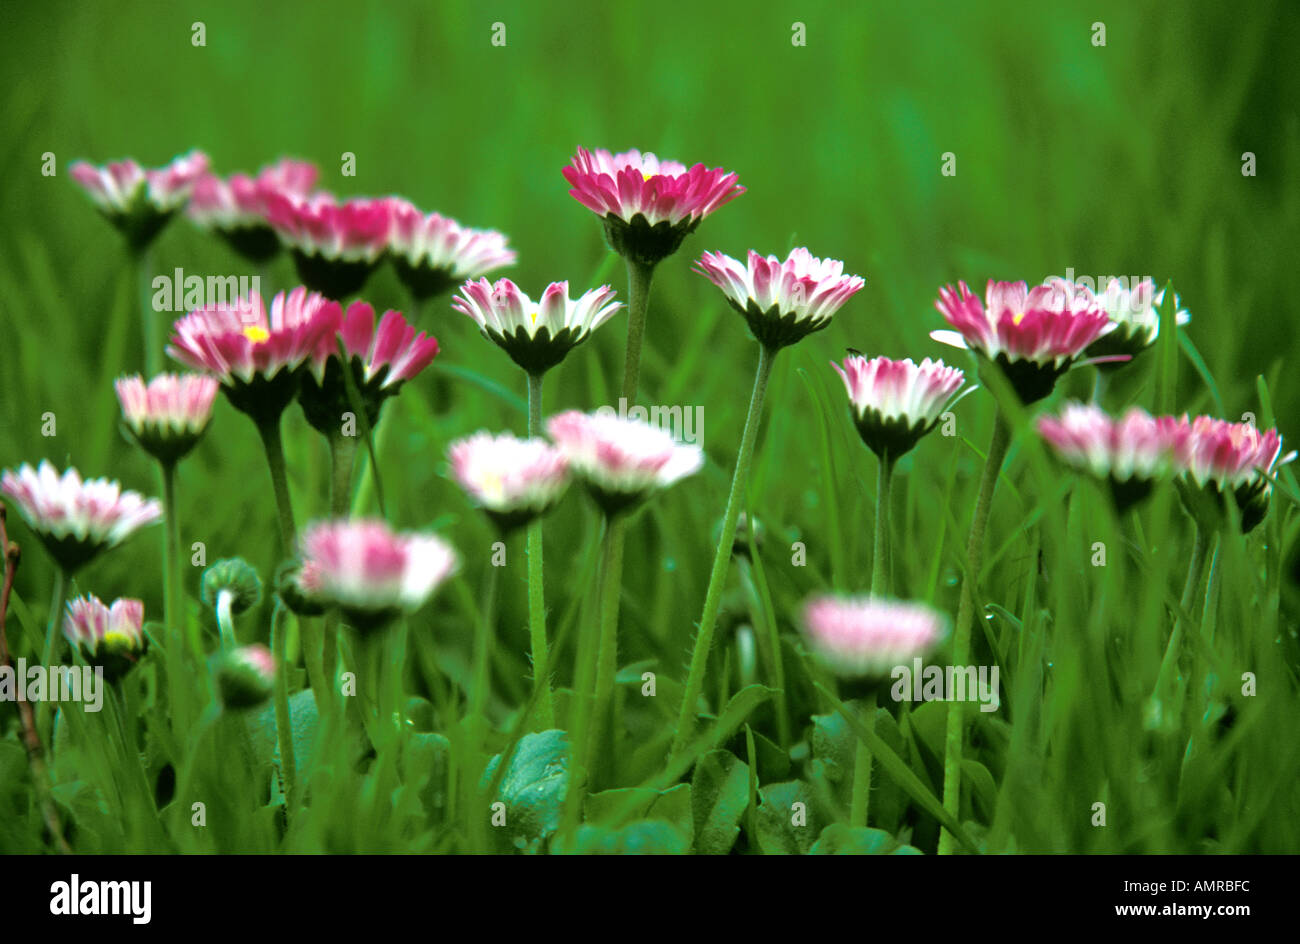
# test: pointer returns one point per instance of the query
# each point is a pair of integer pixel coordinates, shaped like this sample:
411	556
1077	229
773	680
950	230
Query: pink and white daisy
112	636
1130	453
867	636
335	245
433	252
1034	335
76	519
236	206
245	676
782	301
167	416
895	403
648	205
370	572
381	360
622	461
1135	321
536	334
255	355
513	480
1219	457
139	201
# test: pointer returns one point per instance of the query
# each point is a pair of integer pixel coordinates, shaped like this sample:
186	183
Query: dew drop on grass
670	564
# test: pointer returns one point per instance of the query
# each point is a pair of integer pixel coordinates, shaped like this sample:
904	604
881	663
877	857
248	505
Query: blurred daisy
75	520
140	201
783	302
433	253
895	403
513	480
335	245
245	676
866	636
1219	457
370	572
622	461
1135	319
168	416
1033	335
537	335
1129	453
648	205
111	636
235	207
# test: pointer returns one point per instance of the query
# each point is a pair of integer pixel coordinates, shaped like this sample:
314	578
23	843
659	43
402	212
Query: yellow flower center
1017	318
534	315
256	333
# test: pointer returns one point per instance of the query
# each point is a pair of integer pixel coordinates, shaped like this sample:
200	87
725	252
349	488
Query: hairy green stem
283	722
225	619
175	627
143	258
962	628
722	558
607	652
861	798
639	278
544	712
272	443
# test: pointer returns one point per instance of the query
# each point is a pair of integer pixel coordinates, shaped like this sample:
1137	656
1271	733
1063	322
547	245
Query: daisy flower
335	245
140	201
1129	453
235	207
245	676
1134	319
513	480
432	253
1218	457
867	636
895	403
782	301
167	416
111	636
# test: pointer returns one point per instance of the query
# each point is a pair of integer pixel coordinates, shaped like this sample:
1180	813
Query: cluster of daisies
322	347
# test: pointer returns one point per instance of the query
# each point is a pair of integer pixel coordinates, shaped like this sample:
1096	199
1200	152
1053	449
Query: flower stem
639	277
57	601
962	628
544	712
283	722
861	798
149	318
343	449
722	558
1173	651
607	653
225	621
175	629
274	446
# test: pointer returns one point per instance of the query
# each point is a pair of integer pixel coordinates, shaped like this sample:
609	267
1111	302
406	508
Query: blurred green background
1117	160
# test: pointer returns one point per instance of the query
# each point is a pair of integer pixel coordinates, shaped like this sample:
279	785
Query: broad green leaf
719	796
532	788
839	839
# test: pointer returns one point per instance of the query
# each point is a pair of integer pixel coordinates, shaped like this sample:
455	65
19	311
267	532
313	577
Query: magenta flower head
245	677
381	359
1134	321
1033	335
895	403
536	334
648	205
110	636
139	201
514	481
235	207
369	572
1129	454
433	253
168	416
257	356
867	637
783	302
75	520
1214	458
622	461
335	245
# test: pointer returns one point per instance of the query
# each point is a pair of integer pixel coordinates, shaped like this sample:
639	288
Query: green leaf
787	818
532	788
643	837
834	749
719	796
839	839
672	806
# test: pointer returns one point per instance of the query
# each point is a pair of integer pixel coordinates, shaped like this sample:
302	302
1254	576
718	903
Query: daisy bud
234	576
168	416
1032	335
335	245
109	636
372	574
868	636
138	201
622	461
235	207
290	579
245	676
536	335
380	360
513	480
1129	454
1134	321
1214	458
895	403
783	302
648	205
75	520
433	253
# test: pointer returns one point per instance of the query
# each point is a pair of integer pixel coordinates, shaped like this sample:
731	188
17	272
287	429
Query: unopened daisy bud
245	676
1032	335
168	416
782	301
895	403
76	520
371	573
290	579
1134	321
433	253
139	201
108	636
536	335
1129	454
649	206
1214	458
237	578
235	207
513	480
381	360
622	461
335	244
868	636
